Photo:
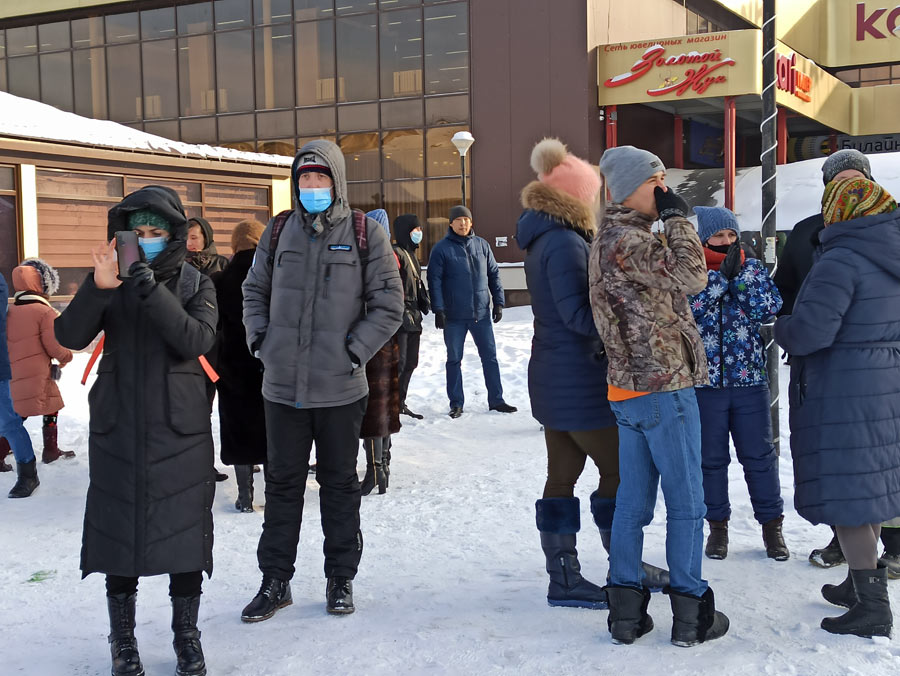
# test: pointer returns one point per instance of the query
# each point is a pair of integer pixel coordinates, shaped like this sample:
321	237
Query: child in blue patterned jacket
738	298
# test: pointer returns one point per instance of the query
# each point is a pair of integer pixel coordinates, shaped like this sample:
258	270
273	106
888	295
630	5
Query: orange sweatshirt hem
618	394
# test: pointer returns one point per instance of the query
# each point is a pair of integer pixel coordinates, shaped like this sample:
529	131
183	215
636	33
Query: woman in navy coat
844	342
567	369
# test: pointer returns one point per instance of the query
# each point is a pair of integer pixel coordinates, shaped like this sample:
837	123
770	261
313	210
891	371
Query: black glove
668	204
731	266
142	278
497	313
440	319
55	372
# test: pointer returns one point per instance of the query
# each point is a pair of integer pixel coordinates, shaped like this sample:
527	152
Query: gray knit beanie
843	160
459	211
626	168
712	219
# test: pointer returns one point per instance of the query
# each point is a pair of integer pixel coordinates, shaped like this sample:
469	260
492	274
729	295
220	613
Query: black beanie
459	211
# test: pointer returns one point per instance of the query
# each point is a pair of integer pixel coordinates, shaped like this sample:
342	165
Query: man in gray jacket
317	306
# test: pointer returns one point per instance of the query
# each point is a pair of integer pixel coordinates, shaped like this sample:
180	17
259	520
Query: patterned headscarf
854	198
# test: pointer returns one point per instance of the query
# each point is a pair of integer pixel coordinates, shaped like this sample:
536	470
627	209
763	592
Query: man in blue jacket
463	278
11	427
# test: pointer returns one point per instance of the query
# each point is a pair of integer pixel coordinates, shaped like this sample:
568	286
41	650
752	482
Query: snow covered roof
25	118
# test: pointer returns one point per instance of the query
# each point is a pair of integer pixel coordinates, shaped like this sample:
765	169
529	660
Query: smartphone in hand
128	250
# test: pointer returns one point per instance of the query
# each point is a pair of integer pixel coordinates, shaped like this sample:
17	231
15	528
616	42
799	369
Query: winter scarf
714	258
855	198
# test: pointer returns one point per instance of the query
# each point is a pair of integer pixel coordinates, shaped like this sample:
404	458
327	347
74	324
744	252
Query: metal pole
769	200
462	162
730	161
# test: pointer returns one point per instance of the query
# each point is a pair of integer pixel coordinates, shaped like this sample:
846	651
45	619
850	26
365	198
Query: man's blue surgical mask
415	236
315	200
152	246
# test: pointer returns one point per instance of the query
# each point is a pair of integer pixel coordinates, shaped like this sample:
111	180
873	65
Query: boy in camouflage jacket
638	290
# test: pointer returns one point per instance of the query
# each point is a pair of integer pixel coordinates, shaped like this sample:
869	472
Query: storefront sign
791	80
810	147
686	67
876	23
698	75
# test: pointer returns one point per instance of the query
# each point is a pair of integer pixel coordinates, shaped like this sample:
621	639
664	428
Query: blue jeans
12	428
743	414
455	338
659	440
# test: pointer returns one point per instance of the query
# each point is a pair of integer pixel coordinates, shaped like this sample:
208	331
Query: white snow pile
25	118
799	189
452	577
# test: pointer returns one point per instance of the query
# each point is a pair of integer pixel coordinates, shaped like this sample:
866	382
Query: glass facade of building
387	80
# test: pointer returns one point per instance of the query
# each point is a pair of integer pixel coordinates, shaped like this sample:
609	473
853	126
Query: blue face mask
152	246
415	236
315	200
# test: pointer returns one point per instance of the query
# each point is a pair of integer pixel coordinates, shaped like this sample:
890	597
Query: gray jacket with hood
311	310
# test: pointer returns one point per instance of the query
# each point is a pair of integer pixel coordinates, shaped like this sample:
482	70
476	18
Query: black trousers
408	343
180	584
290	435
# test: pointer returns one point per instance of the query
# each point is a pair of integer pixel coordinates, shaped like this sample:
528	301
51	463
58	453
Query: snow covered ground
452	579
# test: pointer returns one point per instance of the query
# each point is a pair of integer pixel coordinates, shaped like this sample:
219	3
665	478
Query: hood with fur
36	275
560	207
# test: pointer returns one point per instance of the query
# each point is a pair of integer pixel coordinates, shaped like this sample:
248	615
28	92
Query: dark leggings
180	584
567	453
860	545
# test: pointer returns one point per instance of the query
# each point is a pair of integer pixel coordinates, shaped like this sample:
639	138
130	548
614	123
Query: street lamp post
463	140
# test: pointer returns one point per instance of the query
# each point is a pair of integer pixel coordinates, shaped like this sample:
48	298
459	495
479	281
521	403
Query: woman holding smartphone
151	487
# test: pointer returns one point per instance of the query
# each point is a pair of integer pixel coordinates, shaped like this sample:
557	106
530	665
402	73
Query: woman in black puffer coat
151	487
242	418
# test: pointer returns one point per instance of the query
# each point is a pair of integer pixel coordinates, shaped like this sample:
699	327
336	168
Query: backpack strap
277	226
362	237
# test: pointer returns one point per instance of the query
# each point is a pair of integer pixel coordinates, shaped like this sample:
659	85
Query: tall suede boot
27	480
51	448
122	645
717	542
558	520
4	451
603	510
871	614
374	470
243	475
628	619
695	619
187	646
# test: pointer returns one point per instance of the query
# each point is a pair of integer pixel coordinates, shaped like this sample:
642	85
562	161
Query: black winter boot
695	618
773	538
339	596
187	637
374	470
122	645
628	619
273	594
717	542
891	557
841	594
871	614
243	475
558	520
386	461
828	556
26	481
